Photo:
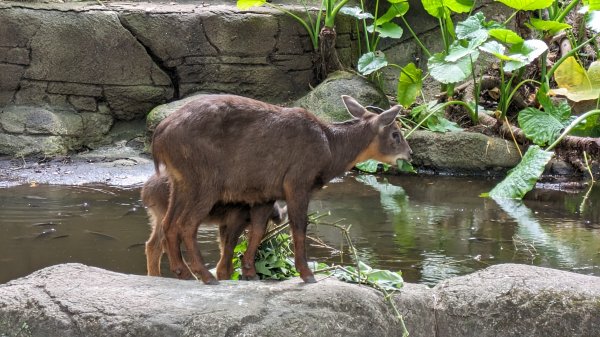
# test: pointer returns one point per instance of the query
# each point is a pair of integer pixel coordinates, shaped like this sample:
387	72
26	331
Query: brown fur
231	149
231	218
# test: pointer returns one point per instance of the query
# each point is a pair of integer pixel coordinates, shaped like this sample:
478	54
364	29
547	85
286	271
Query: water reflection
430	228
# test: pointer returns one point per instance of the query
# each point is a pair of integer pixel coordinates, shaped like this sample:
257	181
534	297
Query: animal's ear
353	107
389	116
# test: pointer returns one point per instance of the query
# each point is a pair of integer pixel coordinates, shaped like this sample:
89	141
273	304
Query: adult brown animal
231	218
231	149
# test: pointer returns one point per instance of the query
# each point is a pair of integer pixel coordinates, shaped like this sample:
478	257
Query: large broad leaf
523	177
461	48
505	36
409	84
473	28
496	49
437	8
575	83
395	10
356	13
449	72
388	29
593	5
551	27
527	5
371	62
544	127
525	53
247	4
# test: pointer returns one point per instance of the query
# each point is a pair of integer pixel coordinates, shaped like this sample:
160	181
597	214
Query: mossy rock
325	100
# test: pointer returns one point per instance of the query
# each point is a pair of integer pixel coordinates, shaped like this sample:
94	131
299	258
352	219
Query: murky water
430	228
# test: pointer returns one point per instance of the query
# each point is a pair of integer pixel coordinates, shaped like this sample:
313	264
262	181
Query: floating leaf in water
369	166
522	178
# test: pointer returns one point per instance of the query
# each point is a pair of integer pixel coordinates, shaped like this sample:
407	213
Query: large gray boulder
462	152
325	100
76	300
502	300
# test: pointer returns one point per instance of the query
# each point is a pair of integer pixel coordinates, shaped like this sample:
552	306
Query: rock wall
502	300
97	64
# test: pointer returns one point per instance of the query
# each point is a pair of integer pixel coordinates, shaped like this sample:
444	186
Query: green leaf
405	166
544	127
496	49
389	29
505	36
356	13
523	177
449	72
371	62
247	4
437	8
593	5
369	166
395	10
551	27
433	117
527	5
459	50
473	28
409	84
261	268
525	53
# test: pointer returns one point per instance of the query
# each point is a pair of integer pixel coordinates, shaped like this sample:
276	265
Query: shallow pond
430	228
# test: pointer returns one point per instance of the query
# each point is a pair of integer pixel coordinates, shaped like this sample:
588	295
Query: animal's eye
396	135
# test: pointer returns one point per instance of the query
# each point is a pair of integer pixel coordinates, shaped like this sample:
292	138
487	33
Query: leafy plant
522	178
272	258
576	83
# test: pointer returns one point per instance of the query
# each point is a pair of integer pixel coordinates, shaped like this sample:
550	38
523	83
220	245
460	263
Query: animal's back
241	147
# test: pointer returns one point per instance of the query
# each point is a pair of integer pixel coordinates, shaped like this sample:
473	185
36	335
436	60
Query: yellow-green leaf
527	5
575	83
247	4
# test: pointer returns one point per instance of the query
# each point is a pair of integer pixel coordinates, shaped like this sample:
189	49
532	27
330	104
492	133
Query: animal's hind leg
193	217
172	224
154	249
259	215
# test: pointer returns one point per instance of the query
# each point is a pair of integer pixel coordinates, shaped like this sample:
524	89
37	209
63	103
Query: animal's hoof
211	282
309	279
183	274
250	277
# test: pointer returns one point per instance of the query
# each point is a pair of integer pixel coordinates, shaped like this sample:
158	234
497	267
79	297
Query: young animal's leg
230	230
297	206
259	215
154	248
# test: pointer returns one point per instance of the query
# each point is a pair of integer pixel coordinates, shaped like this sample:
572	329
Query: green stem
571	126
313	38
514	91
566	11
416	37
374	23
444	38
510	18
443	106
335	10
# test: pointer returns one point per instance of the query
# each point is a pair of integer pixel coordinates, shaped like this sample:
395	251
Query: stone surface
502	300
84	301
518	300
461	152
325	100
